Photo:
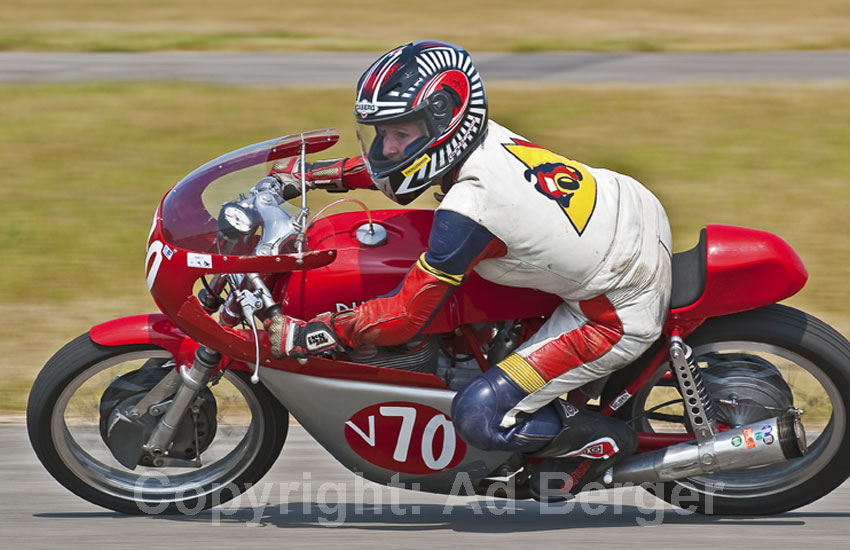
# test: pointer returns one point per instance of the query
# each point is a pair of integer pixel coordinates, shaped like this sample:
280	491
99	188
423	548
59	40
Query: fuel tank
362	272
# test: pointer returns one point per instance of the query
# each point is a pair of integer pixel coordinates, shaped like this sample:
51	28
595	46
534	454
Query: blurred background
85	163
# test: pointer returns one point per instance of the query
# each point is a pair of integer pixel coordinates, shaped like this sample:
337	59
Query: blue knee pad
478	409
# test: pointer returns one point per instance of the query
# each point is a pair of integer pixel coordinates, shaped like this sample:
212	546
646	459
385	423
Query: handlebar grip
291	192
270	312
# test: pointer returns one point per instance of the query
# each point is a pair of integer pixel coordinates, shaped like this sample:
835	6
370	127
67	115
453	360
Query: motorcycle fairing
308	399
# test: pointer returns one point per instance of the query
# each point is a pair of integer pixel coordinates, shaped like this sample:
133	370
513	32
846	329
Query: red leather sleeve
334	175
393	319
355	175
398	318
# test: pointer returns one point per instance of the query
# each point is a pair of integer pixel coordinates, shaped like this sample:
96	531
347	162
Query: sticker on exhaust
749	439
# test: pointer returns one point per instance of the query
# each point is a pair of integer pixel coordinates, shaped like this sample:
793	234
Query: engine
447	356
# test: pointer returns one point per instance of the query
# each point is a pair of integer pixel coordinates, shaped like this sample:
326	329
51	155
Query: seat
689	272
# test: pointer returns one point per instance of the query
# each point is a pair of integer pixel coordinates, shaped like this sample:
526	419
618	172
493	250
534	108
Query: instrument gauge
237	218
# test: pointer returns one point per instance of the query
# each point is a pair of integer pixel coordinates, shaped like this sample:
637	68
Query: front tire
63	425
814	361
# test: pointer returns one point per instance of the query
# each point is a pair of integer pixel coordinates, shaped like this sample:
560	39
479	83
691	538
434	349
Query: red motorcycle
741	406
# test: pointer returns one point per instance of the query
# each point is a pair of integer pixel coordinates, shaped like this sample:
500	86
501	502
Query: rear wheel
226	447
757	364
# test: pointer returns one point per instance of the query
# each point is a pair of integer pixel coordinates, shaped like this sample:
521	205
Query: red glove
291	337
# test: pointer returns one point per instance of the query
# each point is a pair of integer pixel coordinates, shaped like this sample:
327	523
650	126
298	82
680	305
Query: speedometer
236	216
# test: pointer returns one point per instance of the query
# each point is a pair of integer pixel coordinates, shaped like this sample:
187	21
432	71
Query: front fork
192	381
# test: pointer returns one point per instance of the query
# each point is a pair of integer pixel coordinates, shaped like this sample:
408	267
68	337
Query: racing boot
588	444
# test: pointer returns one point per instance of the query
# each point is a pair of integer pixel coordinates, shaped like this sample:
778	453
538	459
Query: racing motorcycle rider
519	215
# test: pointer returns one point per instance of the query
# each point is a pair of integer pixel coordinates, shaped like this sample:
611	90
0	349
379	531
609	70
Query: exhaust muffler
766	442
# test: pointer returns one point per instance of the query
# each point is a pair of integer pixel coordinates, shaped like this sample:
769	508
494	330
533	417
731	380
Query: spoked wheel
757	365
227	443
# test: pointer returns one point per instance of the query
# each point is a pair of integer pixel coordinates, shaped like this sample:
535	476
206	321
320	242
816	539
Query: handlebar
238	222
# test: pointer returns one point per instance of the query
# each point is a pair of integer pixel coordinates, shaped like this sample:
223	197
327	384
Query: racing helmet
420	110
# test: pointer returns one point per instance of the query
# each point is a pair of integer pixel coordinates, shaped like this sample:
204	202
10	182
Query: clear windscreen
192	209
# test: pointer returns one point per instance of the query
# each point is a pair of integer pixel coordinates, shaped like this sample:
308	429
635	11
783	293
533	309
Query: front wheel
757	364
234	438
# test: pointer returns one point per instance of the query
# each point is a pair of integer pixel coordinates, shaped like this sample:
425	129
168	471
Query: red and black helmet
421	109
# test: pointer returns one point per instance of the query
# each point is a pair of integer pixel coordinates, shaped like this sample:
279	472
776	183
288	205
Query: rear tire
67	441
815	362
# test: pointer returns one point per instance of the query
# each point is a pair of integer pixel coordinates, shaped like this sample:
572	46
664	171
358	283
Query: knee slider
473	410
478	409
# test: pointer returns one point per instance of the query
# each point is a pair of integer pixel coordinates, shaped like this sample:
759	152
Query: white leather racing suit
596	238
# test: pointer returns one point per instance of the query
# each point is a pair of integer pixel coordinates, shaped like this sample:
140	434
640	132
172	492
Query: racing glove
291	337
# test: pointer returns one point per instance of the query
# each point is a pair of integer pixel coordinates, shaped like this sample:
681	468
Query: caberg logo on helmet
365	107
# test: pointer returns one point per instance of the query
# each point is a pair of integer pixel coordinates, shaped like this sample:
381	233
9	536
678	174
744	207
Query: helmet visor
389	146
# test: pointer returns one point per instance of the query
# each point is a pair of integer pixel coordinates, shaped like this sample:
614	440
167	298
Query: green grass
374	25
86	164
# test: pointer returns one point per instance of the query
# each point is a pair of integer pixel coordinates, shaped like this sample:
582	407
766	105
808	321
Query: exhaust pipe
766	442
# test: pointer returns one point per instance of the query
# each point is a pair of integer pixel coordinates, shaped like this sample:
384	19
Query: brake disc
119	431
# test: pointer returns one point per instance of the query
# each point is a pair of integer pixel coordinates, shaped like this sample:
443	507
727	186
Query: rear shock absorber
698	405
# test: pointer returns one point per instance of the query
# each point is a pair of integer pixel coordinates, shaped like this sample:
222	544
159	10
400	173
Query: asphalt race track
308	499
345	68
